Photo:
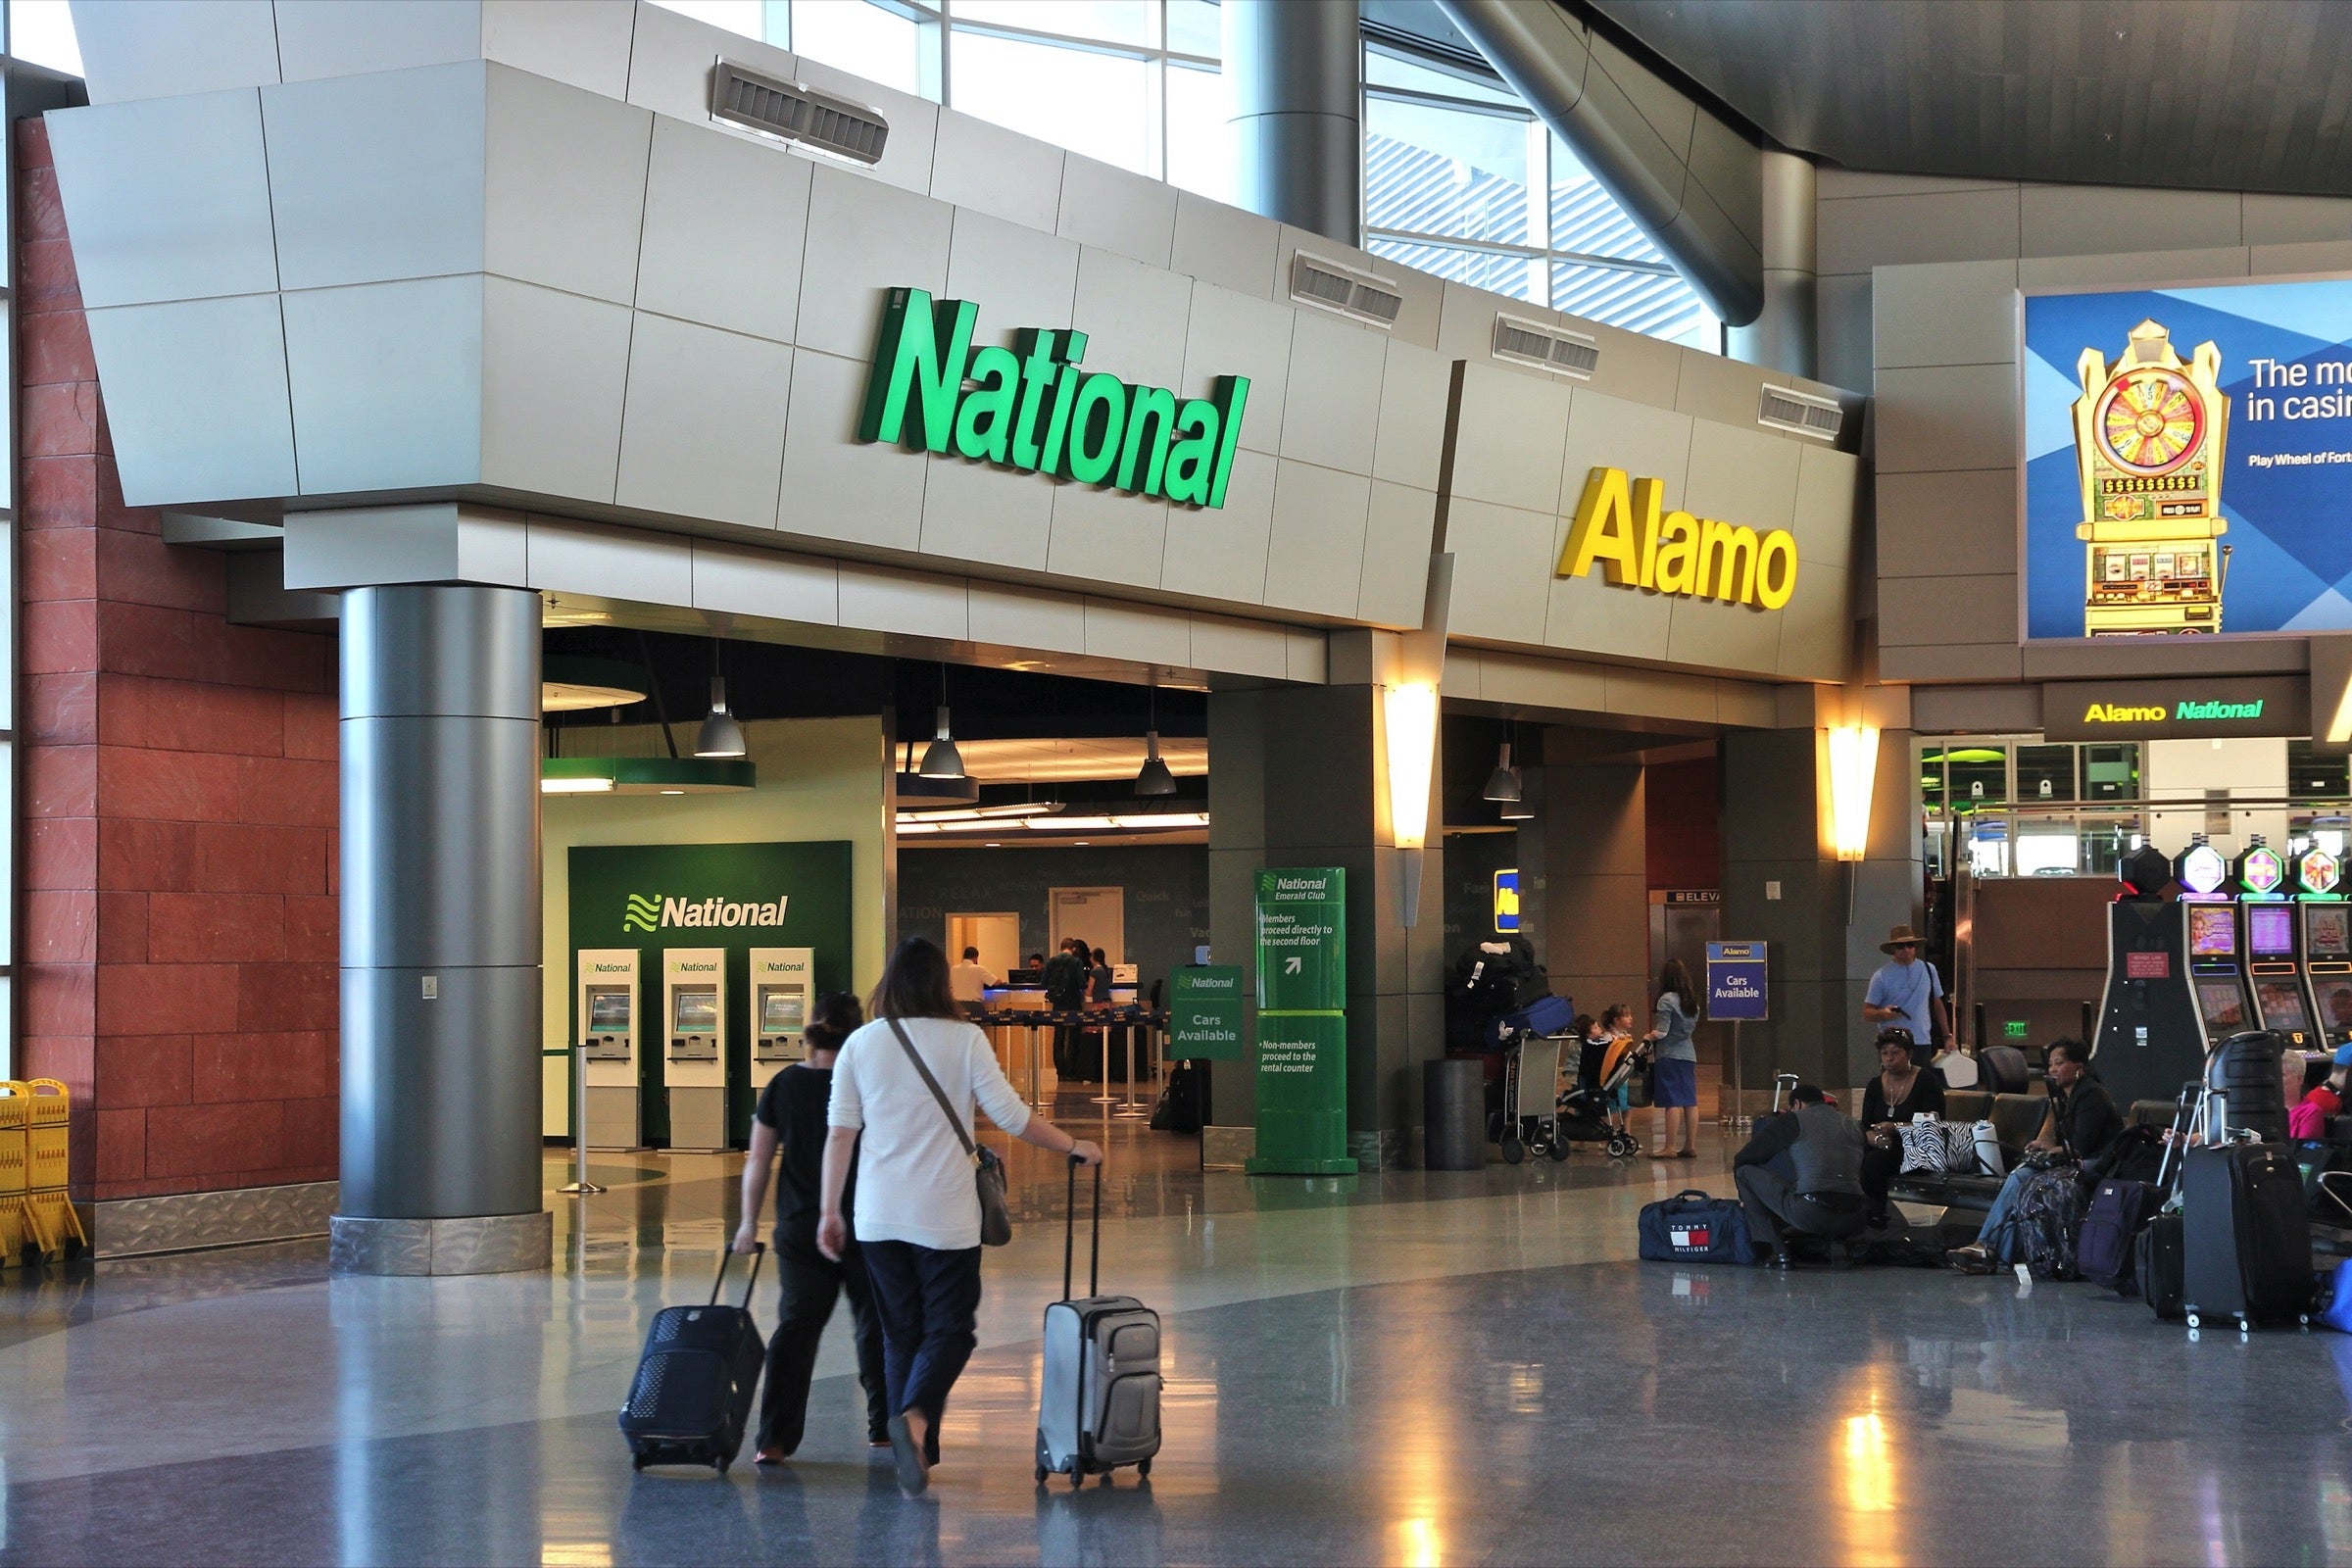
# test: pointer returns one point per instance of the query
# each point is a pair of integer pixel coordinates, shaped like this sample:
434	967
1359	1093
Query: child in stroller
1591	1111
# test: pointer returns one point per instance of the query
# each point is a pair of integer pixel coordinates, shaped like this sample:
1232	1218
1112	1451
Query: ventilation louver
1800	412
1334	287
795	114
1546	347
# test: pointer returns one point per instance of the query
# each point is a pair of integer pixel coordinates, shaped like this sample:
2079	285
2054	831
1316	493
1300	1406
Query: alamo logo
652	911
2118	714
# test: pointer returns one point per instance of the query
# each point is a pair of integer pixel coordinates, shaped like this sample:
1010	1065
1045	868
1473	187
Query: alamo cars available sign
1033	408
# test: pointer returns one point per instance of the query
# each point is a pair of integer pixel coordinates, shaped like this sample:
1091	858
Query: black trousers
1775	1209
1880	1166
928	1300
810	1283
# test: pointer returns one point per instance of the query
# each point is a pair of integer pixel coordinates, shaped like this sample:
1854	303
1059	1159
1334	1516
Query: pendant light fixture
720	735
1154	777
1503	783
940	759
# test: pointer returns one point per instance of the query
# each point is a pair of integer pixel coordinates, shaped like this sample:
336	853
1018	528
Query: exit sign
2014	1028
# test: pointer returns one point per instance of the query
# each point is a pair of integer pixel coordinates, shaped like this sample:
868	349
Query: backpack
2039	1230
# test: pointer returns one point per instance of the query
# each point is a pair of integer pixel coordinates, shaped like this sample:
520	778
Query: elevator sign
1738	991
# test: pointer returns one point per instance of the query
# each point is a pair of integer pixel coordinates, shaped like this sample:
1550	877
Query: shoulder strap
932	1084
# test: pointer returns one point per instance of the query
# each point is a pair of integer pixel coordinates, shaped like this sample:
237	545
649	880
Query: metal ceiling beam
1691	182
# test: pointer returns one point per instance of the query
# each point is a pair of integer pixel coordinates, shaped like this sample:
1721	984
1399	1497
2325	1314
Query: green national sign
1302	1023
1031	407
1205	1013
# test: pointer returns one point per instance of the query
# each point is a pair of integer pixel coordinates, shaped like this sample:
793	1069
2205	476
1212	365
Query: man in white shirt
971	981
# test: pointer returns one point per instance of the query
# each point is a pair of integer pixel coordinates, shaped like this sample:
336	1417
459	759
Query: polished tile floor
1409	1368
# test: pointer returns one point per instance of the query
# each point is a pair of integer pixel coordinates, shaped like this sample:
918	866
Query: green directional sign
1302	1023
1205	1013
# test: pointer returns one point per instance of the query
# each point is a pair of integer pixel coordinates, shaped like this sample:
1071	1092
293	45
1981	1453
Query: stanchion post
579	1186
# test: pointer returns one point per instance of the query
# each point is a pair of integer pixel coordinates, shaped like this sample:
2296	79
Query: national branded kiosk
694	1012
609	1030
783	991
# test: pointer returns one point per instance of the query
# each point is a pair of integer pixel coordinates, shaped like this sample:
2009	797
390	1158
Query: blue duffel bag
1690	1227
2335	1310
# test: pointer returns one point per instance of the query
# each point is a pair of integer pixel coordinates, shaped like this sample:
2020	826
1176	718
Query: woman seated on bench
1901	1090
2081	1123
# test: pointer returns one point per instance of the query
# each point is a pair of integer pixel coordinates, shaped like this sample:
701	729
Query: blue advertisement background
2290	528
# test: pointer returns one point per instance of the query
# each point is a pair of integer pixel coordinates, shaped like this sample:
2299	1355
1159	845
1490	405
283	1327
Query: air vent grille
797	113
1802	413
1546	347
1350	291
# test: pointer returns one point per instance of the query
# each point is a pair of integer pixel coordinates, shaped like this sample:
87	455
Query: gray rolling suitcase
1100	1405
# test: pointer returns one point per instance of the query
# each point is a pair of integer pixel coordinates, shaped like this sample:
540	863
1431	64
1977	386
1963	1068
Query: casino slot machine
2149	431
2323	932
2266	926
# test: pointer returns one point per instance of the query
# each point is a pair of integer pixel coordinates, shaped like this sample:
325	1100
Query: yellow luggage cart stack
50	1221
15	1106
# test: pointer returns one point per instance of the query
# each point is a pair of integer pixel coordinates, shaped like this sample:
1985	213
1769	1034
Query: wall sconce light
1411	715
1853	776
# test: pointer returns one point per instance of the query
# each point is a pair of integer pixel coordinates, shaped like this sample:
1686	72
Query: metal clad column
1297	112
441	933
1782	335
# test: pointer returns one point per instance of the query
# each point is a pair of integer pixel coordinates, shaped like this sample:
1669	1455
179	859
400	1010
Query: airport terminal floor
1430	1369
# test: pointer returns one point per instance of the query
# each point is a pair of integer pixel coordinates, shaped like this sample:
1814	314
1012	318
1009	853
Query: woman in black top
1900	1092
790	1114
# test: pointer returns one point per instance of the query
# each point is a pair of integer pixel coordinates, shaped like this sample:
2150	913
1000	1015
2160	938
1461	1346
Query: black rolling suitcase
691	1395
2245	1240
2157	1267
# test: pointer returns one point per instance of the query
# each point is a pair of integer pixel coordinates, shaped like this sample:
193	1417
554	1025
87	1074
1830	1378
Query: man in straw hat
1907	993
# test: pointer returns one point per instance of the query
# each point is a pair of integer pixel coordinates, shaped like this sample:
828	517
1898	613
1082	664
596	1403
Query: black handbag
988	1171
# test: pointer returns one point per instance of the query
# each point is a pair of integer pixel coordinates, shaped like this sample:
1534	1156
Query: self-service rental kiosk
608	1024
694	1012
783	988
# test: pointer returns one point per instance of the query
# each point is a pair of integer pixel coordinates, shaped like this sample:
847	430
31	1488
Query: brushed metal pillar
1298	132
441	932
1782	335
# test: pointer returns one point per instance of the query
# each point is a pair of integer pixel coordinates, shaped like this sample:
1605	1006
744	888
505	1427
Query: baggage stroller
1603	1066
1530	1119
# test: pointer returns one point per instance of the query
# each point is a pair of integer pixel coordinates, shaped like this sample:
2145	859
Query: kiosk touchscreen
782	991
2275	973
608	1025
2327	956
694	982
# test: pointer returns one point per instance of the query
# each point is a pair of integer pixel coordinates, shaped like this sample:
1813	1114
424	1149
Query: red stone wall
177	940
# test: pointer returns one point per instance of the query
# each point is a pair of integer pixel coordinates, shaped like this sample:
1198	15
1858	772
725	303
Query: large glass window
1453	157
1460	179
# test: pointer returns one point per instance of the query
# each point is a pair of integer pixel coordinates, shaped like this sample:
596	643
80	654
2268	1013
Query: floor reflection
1439	1370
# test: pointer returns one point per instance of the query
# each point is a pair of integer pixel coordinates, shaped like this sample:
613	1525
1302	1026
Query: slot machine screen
694	1012
2335	1004
2223	1004
2328	931
2281	1003
607	1012
2269	931
2212	931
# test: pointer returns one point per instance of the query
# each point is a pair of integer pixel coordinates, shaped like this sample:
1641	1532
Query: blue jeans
928	1300
2002	1204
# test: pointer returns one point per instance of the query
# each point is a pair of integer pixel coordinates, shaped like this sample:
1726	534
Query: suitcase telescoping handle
759	1251
1069	1235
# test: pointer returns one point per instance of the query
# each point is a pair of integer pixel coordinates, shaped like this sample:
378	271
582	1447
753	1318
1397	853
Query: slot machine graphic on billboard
2149	431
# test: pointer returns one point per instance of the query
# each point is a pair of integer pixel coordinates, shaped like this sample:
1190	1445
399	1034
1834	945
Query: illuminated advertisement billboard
2188	461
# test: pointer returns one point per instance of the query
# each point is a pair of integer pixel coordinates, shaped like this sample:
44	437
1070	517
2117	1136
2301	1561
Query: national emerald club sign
1032	409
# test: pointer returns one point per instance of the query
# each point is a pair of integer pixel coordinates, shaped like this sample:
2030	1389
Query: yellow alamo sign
1617	524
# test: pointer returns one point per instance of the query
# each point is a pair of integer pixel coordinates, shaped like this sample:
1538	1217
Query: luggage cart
1530	1119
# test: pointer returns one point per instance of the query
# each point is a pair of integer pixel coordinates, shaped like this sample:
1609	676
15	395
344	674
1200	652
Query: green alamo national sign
1030	407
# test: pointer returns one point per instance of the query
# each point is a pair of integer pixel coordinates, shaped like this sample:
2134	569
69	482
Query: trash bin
1453	1114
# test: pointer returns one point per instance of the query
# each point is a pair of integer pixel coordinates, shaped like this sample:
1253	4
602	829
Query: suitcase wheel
1143	1469
1042	1473
636	1461
2196	1322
